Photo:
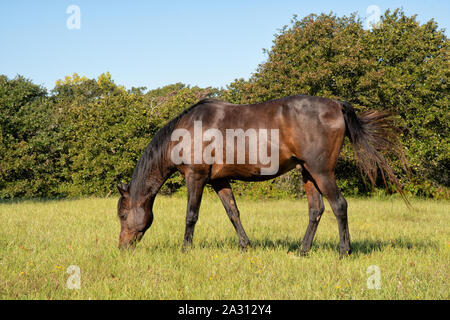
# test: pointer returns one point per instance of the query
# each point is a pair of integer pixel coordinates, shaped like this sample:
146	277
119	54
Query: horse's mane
155	153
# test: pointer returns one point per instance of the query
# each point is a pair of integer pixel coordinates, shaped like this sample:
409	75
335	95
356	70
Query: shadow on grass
359	246
17	201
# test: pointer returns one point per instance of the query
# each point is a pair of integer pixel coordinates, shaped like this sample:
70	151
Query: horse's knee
191	220
340	207
315	214
235	218
234	214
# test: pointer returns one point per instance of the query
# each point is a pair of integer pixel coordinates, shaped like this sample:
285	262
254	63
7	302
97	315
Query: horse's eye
122	216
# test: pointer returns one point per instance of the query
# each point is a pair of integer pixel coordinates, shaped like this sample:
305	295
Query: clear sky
153	43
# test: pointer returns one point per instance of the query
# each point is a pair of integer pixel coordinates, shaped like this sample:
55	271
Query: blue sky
154	43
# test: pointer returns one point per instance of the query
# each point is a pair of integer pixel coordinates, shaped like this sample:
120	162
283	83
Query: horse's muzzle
129	240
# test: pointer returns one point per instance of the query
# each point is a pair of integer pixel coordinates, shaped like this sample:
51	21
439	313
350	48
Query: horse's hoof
186	247
344	254
245	246
302	253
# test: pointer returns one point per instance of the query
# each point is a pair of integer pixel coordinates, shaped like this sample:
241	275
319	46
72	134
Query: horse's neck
157	178
151	182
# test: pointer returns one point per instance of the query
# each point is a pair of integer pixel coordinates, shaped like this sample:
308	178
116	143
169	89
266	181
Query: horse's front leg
195	183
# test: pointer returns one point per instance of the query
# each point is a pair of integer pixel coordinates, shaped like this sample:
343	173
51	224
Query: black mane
155	153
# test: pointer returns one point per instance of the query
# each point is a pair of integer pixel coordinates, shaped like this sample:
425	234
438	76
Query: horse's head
135	217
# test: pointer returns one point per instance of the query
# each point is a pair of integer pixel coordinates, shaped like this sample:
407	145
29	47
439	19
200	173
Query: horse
309	134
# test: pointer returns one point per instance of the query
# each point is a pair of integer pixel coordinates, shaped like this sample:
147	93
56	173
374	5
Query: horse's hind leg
223	190
315	207
195	183
327	185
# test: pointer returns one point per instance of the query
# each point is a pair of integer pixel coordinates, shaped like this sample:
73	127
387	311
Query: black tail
372	134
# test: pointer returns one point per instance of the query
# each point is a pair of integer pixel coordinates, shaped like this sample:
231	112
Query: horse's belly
251	172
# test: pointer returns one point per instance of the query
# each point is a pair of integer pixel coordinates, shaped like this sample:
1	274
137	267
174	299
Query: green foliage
27	148
87	134
103	130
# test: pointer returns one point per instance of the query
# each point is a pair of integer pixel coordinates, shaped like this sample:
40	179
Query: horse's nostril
127	246
128	241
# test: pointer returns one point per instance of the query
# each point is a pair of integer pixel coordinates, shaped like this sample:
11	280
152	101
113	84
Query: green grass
39	240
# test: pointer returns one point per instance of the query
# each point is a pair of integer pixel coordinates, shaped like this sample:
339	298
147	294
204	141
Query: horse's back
311	107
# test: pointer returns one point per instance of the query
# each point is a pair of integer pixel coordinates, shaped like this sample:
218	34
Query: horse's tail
372	134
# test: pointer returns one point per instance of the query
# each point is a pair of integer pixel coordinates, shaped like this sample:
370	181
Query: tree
27	149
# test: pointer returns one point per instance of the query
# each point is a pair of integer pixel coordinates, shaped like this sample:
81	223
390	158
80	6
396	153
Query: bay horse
311	132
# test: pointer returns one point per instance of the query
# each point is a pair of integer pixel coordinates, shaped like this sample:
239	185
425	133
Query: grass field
39	240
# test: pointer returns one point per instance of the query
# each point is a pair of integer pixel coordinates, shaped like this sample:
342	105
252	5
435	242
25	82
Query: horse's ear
123	189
